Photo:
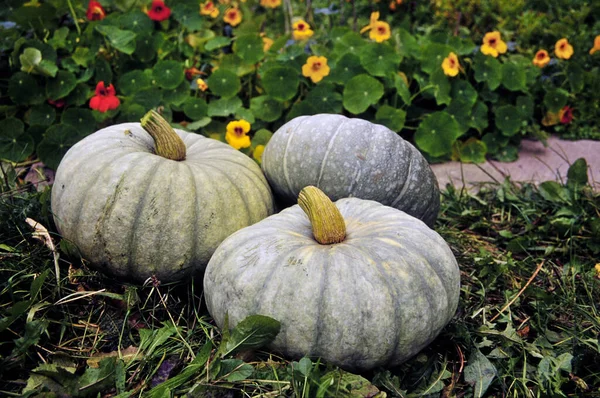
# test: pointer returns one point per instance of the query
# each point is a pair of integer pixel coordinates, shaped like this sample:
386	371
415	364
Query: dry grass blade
41	233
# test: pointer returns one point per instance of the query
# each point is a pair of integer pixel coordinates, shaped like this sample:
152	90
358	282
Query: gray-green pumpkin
350	158
356	283
140	203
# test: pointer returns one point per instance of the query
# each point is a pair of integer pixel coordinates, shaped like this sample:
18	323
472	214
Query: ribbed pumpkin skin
375	299
135	214
350	158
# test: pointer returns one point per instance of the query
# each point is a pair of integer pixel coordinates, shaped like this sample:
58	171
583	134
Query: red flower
193	71
159	11
105	98
566	115
95	12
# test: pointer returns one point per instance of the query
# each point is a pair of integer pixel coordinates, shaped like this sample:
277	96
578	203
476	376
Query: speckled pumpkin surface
135	214
350	158
375	299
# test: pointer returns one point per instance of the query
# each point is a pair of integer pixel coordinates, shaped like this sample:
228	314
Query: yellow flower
237	134
233	16
450	65
379	30
316	68
596	45
257	153
597	268
209	8
562	49
302	30
270	3
201	84
267	43
493	44
541	58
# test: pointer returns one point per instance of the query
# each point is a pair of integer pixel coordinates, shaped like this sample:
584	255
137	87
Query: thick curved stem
166	141
327	223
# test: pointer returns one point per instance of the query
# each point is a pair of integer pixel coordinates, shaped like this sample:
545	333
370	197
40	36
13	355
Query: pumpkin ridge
406	184
328	151
285	163
324	277
196	232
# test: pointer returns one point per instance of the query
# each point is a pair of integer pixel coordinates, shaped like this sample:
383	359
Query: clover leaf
436	134
361	92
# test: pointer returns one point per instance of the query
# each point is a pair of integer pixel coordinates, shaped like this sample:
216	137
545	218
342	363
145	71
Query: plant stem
328	225
166	141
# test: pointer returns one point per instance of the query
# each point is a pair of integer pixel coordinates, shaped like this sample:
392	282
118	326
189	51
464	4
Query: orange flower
267	42
394	4
562	49
302	30
95	12
541	58
237	134
493	44
596	45
379	30
315	68
202	86
450	65
209	8
270	3
233	16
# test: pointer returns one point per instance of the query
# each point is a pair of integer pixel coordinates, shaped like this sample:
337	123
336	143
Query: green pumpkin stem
327	223
166	141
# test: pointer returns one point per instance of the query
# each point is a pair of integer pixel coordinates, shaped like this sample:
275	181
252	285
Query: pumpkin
350	158
142	200
356	283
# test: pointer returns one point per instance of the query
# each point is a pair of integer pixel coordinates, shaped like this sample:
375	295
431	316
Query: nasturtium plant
555	99
361	92
81	119
508	119
325	98
436	133
379	59
168	74
390	117
346	68
472	151
57	140
488	70
281	82
224	83
249	47
224	107
41	115
195	108
441	87
14	143
514	77
134	81
266	108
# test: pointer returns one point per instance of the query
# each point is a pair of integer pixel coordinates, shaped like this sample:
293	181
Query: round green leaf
168	74
350	42
79	95
508	119
266	108
81	119
144	47
391	117
509	153
133	81
188	16
293	56
261	137
217	42
61	85
433	55
441	87
576	77
281	82
122	40
224	106
249	47
246	114
42	115
149	98
360	92
465	91
487	69
472	151
24	90
514	77
324	97
102	71
379	59
479	116
224	83
526	106
346	68
461	111
555	99
494	142
302	108
14	145
436	134
136	21
195	108
178	95
131	112
57	141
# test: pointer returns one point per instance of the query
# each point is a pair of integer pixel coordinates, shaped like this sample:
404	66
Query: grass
528	322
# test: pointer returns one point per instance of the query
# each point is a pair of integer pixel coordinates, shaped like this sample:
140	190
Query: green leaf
281	82
436	134
102	71
302	108
59	39
136	21
145	49
78	96
42	115
217	42
480	373
554	192
122	40
350	42
472	151
576	77
325	98
508	153
464	91
487	69
148	98
261	137
168	74
133	81
360	92
441	87
266	108
95	380
195	108
234	370
252	332
345	69
462	112
479	116
249	47
555	99
379	59
32	62
432	57
224	83
61	85
82	56
58	139
391	117
24	90
81	119
514	77
14	144
402	89
224	107
33	332
178	95
577	174
525	106
508	119
151	340
246	114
